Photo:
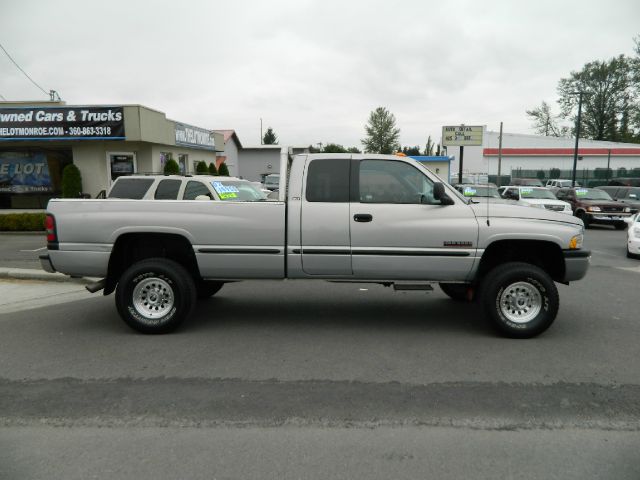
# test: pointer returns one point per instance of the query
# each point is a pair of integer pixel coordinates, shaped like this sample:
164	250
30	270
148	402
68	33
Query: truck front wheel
519	299
155	295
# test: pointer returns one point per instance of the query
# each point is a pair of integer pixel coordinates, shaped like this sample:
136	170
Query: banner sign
24	174
62	123
191	136
461	135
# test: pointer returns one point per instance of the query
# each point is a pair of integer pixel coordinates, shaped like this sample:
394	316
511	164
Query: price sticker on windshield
581	192
469	191
526	191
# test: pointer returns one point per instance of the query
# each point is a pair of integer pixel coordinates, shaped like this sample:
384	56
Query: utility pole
460	169
575	150
499	155
608	163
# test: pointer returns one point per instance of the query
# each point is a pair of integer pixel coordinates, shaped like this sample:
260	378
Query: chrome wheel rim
520	302
153	298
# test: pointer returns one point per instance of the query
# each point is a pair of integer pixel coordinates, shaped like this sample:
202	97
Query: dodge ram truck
339	217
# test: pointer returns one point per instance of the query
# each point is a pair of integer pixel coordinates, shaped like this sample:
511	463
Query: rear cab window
130	188
167	190
328	180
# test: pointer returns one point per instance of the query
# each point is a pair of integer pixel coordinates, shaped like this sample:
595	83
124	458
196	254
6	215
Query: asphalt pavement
304	379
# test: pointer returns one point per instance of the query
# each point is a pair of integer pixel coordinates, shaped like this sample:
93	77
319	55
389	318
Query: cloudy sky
313	70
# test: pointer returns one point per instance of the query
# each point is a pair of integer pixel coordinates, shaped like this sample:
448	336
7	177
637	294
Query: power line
25	73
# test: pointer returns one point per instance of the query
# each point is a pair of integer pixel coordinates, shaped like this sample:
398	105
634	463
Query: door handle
362	217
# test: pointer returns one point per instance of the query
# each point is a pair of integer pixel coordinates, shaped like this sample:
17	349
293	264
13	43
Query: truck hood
524	212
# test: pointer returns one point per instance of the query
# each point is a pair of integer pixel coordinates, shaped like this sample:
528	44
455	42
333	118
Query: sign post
461	136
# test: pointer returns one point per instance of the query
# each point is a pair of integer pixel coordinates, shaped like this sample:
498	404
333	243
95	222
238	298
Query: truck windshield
591	194
484	191
237	191
536	193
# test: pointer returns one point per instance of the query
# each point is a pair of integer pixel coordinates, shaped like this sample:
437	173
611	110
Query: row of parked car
618	206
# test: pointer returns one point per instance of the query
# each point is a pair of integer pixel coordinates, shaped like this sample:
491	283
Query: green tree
223	170
270	137
171	167
381	132
545	122
409	151
201	168
353	150
540	175
609	101
212	169
334	148
428	149
71	182
554	173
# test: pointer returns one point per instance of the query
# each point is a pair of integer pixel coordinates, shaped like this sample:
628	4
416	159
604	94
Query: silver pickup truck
339	217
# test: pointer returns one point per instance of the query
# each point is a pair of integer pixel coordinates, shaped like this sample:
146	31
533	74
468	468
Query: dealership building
38	139
526	155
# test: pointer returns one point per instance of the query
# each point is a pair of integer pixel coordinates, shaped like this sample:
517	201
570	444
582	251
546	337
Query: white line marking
36	250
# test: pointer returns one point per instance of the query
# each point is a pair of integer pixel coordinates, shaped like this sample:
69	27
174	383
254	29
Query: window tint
387	181
167	190
328	180
131	188
193	189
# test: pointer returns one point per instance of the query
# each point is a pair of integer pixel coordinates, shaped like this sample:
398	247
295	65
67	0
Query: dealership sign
24	173
191	136
62	123
462	136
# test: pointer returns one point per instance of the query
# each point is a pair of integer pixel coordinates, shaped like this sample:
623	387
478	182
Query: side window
328	180
619	193
193	189
131	188
388	181
167	190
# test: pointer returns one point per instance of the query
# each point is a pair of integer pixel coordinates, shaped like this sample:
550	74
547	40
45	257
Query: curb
32	274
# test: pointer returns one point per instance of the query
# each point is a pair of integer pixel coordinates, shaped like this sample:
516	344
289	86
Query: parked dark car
595	206
529	182
627	195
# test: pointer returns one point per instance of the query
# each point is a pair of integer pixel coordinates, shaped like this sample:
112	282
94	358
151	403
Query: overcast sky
313	70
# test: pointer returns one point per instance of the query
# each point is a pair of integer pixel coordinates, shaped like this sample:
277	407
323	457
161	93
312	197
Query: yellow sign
461	135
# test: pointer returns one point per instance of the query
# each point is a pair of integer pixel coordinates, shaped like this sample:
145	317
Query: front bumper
605	217
576	264
45	263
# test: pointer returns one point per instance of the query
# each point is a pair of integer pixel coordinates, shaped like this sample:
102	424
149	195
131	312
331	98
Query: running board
413	286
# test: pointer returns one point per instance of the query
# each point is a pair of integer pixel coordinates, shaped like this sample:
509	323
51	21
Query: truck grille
612	209
555	208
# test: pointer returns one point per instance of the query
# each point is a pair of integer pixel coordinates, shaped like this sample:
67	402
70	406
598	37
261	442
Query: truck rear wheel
155	295
519	299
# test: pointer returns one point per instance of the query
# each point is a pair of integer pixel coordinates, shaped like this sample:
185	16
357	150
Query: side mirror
440	194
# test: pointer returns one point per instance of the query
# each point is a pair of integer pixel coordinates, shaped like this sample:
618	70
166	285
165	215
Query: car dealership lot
313	379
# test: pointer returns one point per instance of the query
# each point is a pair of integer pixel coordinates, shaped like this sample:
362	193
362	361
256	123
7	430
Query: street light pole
575	150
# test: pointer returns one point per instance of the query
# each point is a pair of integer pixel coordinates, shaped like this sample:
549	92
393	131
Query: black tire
534	289
155	295
585	219
620	225
208	288
456	291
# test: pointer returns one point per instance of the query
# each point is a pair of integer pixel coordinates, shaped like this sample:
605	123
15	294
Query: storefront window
121	164
164	158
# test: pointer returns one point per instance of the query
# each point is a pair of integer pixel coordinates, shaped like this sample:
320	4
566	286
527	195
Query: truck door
399	231
325	241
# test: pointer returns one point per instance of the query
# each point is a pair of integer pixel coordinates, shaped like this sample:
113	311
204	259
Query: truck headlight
576	242
593	209
627	210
